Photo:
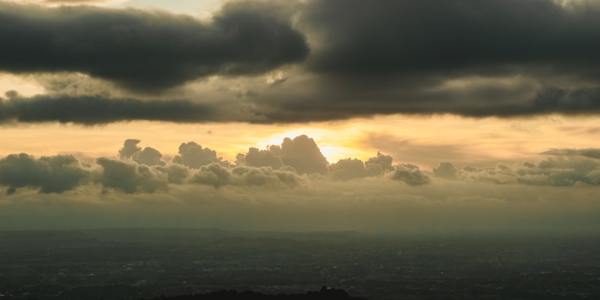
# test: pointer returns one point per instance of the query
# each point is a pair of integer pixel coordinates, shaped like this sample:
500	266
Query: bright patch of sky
200	8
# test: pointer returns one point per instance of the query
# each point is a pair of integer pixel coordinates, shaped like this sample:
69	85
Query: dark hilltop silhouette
324	294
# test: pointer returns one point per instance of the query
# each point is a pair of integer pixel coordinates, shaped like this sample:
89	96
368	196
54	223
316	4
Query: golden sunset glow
424	140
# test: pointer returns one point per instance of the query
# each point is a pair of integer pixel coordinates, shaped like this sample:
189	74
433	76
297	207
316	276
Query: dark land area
150	264
324	294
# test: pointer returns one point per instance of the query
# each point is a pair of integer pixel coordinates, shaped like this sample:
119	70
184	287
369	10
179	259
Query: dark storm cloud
146	50
549	100
286	108
466	57
384	37
100	110
54	174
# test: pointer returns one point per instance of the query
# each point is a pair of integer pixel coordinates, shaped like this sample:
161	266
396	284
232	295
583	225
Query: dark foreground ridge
323	294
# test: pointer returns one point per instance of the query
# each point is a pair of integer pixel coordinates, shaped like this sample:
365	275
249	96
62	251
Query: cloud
218	175
262	158
391	37
147	50
55	174
130	147
371	206
214	174
347	169
250	176
502	58
129	178
466	57
556	194
142	170
194	156
90	110
567	171
75	1
147	156
589	153
176	174
410	174
301	153
446	170
378	165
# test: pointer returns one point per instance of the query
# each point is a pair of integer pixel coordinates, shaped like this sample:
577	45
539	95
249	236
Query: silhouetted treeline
323	294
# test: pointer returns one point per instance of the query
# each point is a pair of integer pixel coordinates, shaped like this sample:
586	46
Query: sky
383	115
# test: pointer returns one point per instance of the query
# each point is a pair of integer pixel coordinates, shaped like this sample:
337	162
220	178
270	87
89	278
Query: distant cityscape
145	264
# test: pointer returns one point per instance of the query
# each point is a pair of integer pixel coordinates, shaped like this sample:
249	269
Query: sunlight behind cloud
333	145
21	84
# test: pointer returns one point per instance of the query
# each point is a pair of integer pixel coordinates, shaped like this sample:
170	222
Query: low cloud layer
589	153
559	171
129	178
296	163
556	194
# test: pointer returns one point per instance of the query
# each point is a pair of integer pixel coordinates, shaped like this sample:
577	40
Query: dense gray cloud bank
91	110
466	57
406	37
146	50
